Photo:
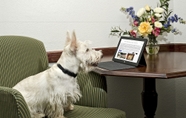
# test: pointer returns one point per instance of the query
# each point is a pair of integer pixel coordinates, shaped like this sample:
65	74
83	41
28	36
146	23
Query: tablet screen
129	50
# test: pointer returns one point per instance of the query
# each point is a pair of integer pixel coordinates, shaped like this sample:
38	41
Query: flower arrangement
150	23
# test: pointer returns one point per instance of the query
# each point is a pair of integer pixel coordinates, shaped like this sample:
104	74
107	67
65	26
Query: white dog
50	92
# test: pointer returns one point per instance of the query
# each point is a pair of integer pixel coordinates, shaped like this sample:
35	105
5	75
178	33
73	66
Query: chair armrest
12	104
93	89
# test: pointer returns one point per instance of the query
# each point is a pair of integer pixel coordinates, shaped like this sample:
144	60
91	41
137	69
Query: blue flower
176	17
136	18
175	31
172	19
129	9
133	16
131	12
166	25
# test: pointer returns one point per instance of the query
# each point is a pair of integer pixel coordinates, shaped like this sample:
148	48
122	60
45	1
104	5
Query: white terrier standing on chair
50	92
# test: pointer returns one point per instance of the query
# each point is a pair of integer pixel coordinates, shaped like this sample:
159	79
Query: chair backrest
20	57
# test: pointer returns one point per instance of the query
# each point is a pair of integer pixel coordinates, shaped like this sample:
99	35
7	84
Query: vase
152	46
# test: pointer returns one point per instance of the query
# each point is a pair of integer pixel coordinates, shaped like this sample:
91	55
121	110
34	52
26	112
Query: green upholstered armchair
21	57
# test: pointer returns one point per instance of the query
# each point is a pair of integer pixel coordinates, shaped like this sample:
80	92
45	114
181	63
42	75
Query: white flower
158	24
159	10
140	12
158	15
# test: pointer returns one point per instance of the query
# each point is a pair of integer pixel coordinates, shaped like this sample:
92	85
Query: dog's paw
61	117
38	115
69	108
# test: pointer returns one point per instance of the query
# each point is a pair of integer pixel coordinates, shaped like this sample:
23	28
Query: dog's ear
73	43
67	39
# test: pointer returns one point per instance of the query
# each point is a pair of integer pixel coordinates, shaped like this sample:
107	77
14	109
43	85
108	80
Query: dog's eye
87	50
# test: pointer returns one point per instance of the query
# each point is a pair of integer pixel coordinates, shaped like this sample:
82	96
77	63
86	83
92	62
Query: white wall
48	21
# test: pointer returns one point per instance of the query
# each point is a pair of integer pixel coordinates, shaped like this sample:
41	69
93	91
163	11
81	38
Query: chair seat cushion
92	112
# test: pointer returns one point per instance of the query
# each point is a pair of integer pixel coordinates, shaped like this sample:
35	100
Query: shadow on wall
125	94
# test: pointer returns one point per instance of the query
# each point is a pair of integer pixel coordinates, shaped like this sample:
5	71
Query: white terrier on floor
51	92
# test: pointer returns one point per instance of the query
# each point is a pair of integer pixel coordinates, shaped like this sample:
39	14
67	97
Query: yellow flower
147	8
145	28
149	19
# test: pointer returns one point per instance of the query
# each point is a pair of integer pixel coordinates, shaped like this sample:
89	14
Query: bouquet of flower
150	23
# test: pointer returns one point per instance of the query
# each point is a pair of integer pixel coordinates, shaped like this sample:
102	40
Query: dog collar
67	71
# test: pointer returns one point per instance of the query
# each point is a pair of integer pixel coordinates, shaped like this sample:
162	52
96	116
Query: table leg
149	97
